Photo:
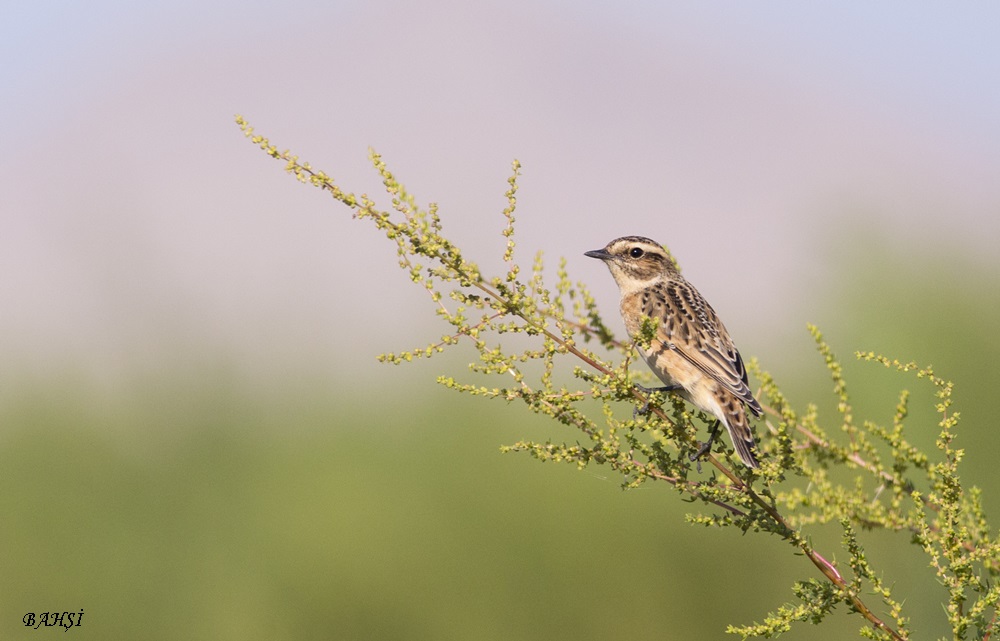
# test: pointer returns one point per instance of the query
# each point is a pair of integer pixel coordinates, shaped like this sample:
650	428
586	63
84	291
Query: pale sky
137	223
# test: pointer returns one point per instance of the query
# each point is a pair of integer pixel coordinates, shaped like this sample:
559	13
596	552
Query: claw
706	447
642	411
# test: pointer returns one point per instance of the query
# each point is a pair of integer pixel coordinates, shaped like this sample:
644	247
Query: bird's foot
706	447
642	411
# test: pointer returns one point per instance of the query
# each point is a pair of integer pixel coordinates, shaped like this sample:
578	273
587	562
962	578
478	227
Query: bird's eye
635	252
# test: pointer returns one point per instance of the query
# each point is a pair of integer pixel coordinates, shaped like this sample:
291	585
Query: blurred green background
195	439
195	503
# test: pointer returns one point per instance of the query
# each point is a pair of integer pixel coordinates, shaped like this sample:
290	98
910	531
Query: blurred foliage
357	520
194	505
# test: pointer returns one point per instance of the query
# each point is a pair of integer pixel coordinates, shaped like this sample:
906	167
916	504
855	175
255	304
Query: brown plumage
692	350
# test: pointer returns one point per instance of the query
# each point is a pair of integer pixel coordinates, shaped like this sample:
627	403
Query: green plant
867	478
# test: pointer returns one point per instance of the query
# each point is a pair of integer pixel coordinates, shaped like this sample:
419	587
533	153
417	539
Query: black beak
600	254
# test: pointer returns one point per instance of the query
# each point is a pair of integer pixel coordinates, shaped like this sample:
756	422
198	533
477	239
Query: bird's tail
739	431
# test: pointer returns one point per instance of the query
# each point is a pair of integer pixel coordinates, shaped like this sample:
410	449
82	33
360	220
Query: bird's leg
706	447
642	411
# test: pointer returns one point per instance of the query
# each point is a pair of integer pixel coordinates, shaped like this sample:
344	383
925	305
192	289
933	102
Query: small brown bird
691	352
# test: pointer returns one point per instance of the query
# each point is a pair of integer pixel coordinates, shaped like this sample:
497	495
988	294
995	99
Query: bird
691	351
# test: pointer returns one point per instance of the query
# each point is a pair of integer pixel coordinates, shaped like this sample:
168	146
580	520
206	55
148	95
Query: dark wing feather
700	337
